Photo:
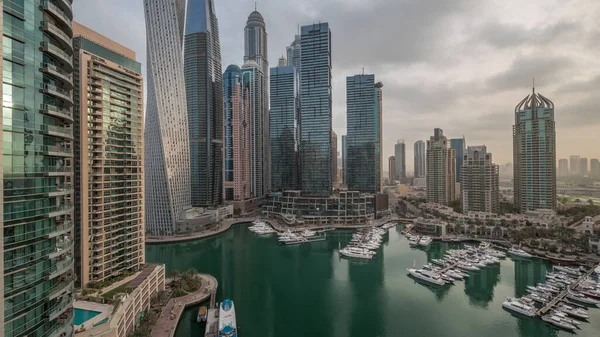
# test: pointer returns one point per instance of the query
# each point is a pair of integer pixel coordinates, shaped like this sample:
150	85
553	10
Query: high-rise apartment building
37	170
315	105
204	93
583	166
236	137
334	158
364	133
255	56
166	140
534	152
109	117
392	169
344	161
594	168
420	159
400	154
563	168
574	162
480	189
441	163
284	150
459	145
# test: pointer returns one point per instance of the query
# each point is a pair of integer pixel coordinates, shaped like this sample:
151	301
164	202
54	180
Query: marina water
308	290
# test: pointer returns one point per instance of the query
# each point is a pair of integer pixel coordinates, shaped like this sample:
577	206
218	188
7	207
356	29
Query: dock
562	295
212	323
445	269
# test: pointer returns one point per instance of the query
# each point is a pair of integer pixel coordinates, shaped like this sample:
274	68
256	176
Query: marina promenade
171	313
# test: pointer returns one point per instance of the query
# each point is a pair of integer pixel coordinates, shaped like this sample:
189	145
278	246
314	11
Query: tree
591	202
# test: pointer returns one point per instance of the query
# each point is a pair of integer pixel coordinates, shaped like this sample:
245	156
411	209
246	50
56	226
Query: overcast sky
460	65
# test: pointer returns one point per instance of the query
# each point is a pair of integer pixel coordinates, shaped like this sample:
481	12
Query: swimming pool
83	315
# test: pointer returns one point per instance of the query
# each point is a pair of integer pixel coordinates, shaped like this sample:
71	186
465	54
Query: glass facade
420	159
37	168
282	129
315	114
459	145
109	203
400	154
363	134
204	93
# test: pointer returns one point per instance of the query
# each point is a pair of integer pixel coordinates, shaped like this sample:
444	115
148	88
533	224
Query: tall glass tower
363	133
255	55
37	169
315	115
400	154
282	129
460	146
534	152
204	90
166	146
420	159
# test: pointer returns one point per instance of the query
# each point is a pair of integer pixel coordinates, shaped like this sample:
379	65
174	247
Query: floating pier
563	294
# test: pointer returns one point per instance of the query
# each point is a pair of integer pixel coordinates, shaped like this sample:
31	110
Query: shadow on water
479	287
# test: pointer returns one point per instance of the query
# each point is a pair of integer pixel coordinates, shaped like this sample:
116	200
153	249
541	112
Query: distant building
363	133
334	157
344	162
392	169
315	105
563	168
420	159
574	162
441	164
480	181
400	154
583	166
459	145
534	152
594	168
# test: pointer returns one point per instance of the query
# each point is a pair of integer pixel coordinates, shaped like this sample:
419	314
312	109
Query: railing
58	129
50	87
55	69
58	11
53	148
57	51
51	27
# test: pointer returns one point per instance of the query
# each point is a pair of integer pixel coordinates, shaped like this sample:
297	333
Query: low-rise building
595	245
430	227
196	219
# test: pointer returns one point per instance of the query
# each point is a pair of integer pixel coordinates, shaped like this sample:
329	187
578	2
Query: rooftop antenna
534	85
255	6
363	69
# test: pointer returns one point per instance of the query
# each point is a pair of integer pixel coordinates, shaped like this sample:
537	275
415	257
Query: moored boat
227	321
518	306
427	276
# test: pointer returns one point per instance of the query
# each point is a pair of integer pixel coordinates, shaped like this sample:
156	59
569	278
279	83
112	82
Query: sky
460	65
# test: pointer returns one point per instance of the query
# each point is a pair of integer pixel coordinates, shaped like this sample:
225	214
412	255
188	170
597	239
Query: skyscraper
293	53
563	168
420	159
315	115
334	157
107	160
534	152
236	137
459	145
284	103
166	145
583	166
594	168
364	130
204	92
255	55
574	162
480	181
344	161
392	169
37	170
441	163
400	154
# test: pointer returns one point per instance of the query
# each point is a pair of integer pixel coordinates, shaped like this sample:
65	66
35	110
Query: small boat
414	241
425	241
201	314
558	322
519	252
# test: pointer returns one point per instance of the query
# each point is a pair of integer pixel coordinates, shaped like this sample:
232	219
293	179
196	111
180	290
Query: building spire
255	7
534	85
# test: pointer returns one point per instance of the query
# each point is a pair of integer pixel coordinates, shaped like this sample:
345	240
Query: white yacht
518	306
425	241
427	276
573	311
568	270
414	241
454	275
227	322
519	252
264	231
356	252
308	233
467	266
582	299
558	321
565	317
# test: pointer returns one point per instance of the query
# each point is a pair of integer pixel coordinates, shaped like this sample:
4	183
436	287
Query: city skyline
437	78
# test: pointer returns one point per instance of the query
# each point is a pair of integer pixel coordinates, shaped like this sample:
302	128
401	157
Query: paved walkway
171	313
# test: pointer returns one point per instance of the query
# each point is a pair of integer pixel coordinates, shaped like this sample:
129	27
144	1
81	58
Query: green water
307	290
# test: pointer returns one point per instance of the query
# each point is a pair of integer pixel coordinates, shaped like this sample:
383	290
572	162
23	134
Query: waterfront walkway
171	313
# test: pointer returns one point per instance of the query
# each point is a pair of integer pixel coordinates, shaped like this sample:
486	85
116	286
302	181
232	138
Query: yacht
427	276
264	231
573	311
356	252
538	297
565	317
227	322
518	306
467	266
308	233
519	252
454	275
568	270
582	299
287	237
558	321
414	241
425	241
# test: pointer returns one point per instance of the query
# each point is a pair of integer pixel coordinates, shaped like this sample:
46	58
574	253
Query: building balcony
64	303
56	151
62	266
61	288
64	95
58	15
54	111
61	171
63	229
63	77
65	42
59	210
57	131
59	55
66	6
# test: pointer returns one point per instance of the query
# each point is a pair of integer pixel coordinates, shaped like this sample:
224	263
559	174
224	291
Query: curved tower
166	151
204	90
255	55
